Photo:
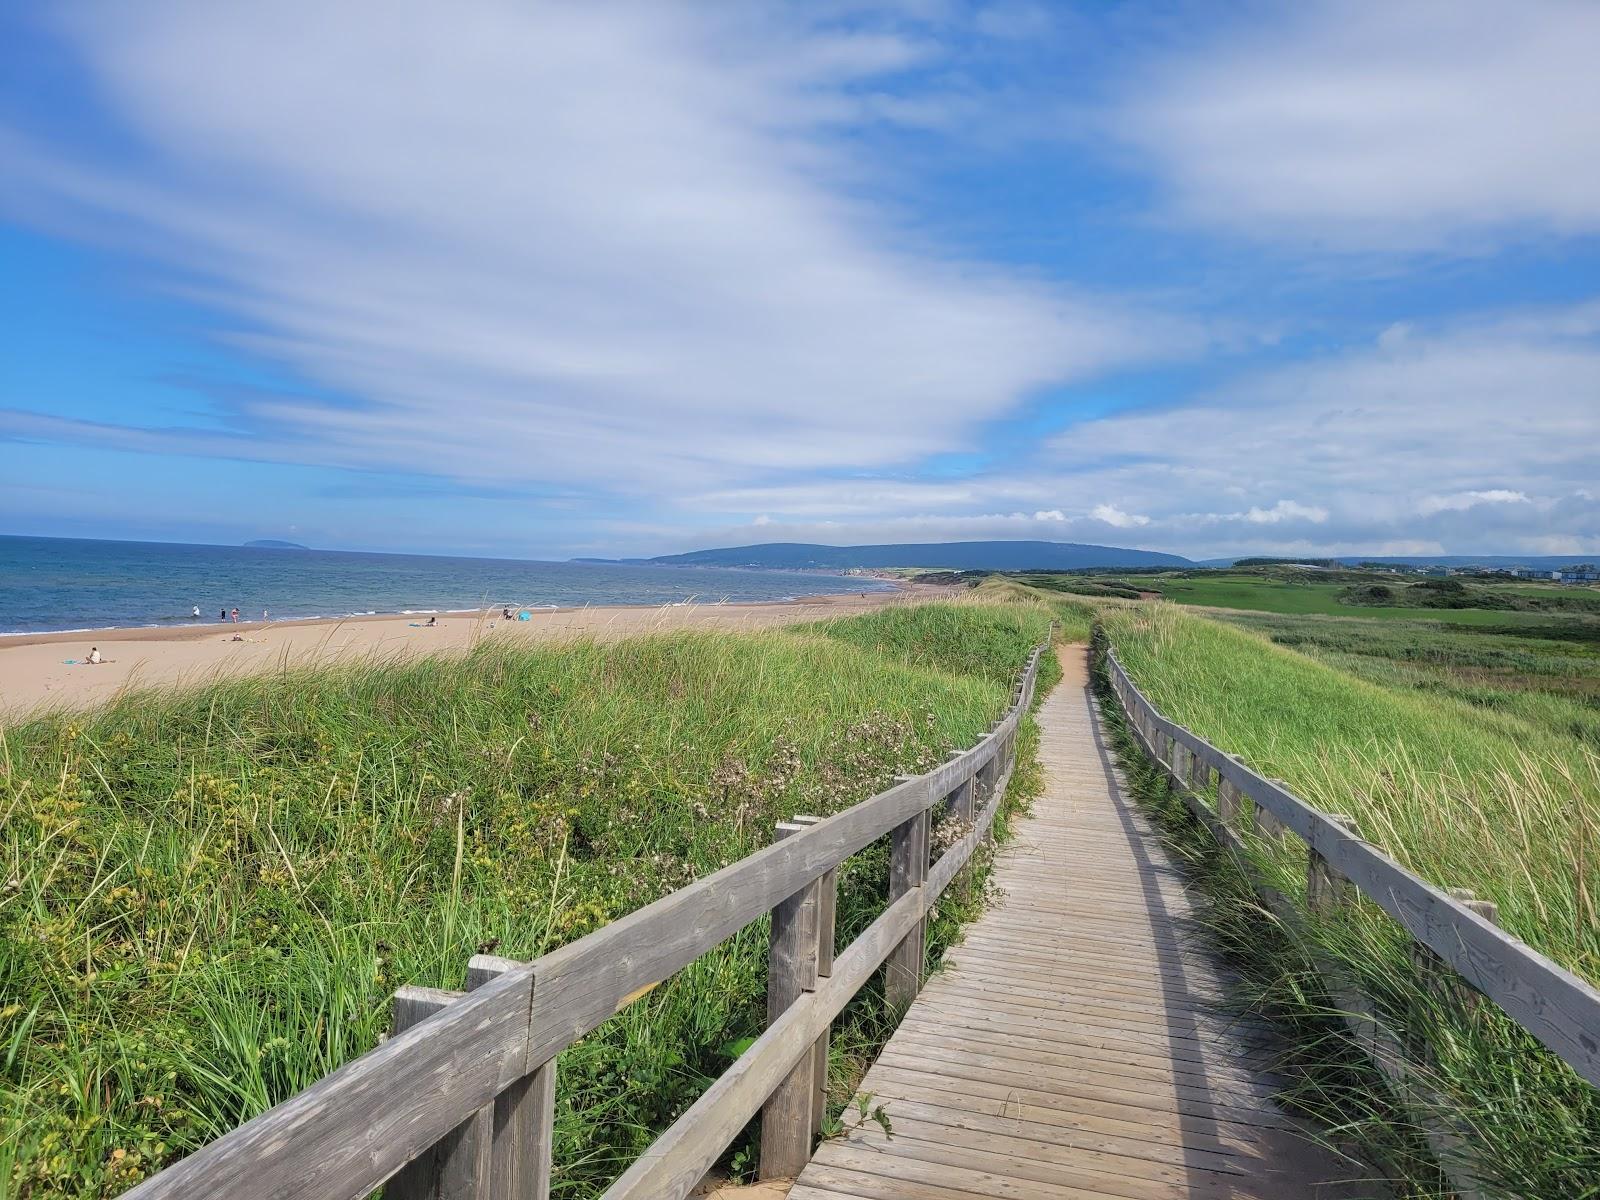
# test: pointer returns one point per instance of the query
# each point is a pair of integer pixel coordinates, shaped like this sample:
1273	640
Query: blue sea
50	584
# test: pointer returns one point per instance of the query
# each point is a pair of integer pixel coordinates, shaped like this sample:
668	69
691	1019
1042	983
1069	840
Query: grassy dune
1289	591
1495	800
210	895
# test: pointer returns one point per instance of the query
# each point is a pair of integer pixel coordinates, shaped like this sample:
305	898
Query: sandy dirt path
34	673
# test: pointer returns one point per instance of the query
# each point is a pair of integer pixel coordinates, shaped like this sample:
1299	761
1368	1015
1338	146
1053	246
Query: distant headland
274	544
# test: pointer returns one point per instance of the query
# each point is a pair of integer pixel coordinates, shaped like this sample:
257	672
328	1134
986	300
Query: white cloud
1112	515
1461	501
603	247
1370	124
1287	510
1477	437
1050	514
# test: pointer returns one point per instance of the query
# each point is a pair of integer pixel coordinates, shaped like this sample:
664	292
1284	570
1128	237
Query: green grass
1278	596
1503	802
1328	593
1550	683
210	895
1074	616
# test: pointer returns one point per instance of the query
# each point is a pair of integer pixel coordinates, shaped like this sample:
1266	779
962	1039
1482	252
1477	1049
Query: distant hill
270	544
959	556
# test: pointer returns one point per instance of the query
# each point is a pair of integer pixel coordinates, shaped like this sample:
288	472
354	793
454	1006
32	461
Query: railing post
960	804
827	911
786	1119
1199	774
458	1165
524	1114
1438	977
1179	762
1229	801
1327	891
908	869
1268	826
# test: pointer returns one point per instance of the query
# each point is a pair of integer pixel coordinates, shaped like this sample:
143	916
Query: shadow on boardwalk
1074	1045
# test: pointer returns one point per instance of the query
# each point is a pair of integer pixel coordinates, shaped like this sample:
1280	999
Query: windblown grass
210	895
1464	796
1547	675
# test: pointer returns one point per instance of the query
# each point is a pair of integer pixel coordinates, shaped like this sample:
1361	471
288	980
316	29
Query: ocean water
49	584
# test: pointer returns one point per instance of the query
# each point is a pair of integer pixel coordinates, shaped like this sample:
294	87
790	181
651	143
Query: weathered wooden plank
827	919
343	1136
524	1114
908	870
787	1118
1107	1064
935	1163
457	1166
680	1157
1084	1078
936	1108
1082	1108
1327	891
867	1174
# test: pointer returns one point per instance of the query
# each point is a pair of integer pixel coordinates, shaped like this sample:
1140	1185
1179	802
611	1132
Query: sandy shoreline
34	673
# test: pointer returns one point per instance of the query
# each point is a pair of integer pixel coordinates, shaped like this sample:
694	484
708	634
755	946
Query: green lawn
1265	594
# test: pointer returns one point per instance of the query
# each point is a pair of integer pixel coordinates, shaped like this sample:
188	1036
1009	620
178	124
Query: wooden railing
1455	934
459	1101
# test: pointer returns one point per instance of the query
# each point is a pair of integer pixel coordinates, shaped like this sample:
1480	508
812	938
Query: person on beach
222	615
196	613
236	616
94	656
433	623
506	612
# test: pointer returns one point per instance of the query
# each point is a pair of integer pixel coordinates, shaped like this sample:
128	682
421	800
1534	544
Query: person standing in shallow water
222	614
236	616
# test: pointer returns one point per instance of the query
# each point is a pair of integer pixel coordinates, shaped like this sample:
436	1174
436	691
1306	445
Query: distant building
1582	573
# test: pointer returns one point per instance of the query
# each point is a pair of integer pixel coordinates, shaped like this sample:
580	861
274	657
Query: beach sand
35	675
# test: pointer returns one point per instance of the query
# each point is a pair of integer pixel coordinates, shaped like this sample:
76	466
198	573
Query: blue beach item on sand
524	615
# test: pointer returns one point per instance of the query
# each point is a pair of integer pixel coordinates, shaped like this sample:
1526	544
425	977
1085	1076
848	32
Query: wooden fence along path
1456	944
459	1102
1074	1045
1072	1048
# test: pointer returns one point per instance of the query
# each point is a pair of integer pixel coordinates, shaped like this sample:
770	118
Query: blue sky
545	280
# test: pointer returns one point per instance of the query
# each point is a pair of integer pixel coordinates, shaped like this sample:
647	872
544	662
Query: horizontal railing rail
458	1101
1557	1007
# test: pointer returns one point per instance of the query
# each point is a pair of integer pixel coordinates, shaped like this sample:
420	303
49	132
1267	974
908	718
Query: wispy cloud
1479	435
1365	124
623	247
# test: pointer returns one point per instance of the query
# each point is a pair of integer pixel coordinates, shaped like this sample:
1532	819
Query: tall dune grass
209	895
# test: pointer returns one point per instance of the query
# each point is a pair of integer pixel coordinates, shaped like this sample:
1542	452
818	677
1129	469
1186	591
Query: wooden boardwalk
1074	1045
